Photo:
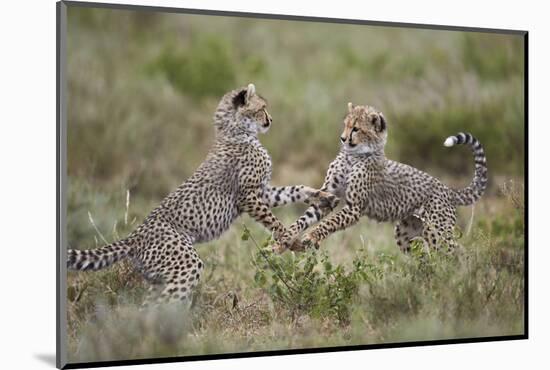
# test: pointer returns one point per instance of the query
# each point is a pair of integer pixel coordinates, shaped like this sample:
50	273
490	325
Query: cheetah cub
233	179
385	190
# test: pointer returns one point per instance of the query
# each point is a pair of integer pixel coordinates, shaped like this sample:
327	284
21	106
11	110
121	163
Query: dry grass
476	293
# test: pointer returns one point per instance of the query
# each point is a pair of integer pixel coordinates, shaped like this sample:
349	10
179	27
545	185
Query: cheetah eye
354	129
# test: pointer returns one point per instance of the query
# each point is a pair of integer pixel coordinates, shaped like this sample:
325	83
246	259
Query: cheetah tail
98	258
470	194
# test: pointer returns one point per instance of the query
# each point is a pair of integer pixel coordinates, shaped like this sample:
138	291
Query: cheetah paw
279	248
308	241
283	242
324	200
297	246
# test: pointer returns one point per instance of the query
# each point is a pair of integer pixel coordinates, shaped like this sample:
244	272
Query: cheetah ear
350	107
239	99
379	122
250	91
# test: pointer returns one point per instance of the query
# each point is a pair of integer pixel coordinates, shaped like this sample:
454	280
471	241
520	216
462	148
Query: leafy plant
309	282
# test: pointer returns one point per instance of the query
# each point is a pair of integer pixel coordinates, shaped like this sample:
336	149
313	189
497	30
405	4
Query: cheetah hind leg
406	230
180	273
439	227
448	236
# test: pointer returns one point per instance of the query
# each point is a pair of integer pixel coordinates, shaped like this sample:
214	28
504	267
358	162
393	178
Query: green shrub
506	55
203	68
309	282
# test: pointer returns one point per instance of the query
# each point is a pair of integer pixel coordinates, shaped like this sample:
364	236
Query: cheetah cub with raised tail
233	179
385	190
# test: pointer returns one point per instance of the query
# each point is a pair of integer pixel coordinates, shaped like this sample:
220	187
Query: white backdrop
27	184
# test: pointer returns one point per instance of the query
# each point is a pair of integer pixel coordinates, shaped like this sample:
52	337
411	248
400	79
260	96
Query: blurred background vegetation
143	88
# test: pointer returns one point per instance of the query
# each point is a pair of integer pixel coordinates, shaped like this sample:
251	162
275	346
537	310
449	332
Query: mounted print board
235	184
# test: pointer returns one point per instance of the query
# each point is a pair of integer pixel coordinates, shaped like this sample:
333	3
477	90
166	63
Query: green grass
142	92
358	289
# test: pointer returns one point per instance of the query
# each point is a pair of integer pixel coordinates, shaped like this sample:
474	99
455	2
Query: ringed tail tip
450	141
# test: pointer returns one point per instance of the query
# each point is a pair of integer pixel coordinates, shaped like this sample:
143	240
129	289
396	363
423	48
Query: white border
27	152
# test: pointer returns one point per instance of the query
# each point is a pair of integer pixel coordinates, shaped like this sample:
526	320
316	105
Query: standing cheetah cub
385	190
233	179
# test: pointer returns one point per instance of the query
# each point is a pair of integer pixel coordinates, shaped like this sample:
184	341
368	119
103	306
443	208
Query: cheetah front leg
334	184
261	212
356	195
279	196
289	239
321	201
343	219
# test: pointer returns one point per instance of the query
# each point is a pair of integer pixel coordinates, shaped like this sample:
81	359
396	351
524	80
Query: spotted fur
384	190
233	179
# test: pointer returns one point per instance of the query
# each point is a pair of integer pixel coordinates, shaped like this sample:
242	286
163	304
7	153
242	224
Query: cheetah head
365	130
251	113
